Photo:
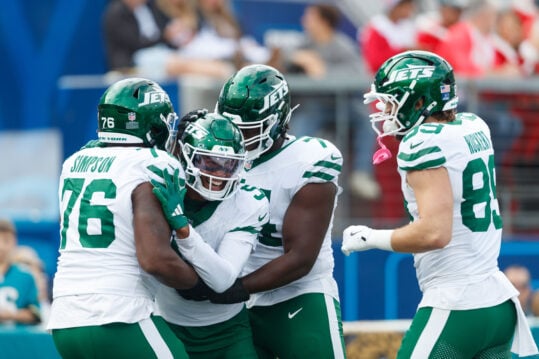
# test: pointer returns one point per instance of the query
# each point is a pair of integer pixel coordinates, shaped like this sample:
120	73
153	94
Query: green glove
93	143
171	195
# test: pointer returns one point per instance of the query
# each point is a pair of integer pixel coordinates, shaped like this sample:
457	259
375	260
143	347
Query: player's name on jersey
477	142
92	164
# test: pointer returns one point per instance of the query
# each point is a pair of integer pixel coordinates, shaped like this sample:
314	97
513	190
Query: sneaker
364	185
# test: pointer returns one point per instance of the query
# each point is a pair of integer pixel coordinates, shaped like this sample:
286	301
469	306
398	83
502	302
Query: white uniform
280	175
99	279
229	230
467	267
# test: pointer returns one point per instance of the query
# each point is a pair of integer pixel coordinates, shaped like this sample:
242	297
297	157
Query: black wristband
199	292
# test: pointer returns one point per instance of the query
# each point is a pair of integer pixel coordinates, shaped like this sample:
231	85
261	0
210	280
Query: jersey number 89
475	197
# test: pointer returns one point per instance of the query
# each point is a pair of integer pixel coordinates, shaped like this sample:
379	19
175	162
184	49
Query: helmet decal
134	111
275	98
411	72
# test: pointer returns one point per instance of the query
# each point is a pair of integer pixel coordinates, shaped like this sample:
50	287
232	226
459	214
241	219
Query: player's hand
189	117
171	195
93	144
194	115
235	294
199	292
356	238
362	238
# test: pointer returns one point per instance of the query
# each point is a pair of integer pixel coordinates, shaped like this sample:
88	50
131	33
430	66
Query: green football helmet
257	99
399	85
134	111
212	154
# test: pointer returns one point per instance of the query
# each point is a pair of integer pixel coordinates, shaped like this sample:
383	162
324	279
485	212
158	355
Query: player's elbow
304	264
222	285
150	266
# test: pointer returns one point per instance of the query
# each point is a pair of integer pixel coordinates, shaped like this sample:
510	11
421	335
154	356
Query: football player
228	216
293	298
114	236
469	309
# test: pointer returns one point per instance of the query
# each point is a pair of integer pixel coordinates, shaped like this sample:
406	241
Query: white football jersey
226	226
464	148
97	245
280	176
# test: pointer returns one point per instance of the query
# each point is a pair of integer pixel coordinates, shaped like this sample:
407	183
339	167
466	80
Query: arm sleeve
217	269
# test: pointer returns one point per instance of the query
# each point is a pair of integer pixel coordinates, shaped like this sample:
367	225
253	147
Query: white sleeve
218	269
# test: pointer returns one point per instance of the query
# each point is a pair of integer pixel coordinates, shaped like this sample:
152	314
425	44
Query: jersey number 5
87	212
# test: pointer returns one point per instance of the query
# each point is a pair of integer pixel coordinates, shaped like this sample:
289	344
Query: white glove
362	238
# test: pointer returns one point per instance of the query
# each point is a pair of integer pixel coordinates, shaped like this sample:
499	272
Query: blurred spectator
389	33
507	38
432	27
469	47
328	53
209	42
183	24
27	257
128	26
19	302
519	276
220	37
527	11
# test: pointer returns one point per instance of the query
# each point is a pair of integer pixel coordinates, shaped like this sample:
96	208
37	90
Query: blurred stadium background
52	65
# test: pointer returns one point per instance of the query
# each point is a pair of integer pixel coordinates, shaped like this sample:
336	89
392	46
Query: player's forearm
421	236
216	271
277	273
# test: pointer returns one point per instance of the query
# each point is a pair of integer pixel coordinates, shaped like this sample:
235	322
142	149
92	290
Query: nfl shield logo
131	116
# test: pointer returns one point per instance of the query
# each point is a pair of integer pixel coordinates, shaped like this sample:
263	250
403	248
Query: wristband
381	238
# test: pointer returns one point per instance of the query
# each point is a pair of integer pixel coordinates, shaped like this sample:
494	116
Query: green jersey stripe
328	164
321	175
416	155
248	229
424	165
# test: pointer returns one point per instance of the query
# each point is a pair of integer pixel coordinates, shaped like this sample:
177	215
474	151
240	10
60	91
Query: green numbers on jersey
258	195
433	128
476	196
88	212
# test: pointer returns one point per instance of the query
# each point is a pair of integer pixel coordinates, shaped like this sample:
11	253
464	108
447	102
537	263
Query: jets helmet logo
274	97
154	97
410	73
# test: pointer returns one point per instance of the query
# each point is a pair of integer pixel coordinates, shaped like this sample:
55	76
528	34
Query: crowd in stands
160	38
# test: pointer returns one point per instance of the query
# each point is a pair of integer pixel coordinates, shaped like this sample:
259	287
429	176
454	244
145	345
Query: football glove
362	238
199	292
189	117
171	195
235	294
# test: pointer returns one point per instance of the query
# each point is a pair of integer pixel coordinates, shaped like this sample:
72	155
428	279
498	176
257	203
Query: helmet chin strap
382	154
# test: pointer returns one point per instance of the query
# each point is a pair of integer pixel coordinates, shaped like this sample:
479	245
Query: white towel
523	342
